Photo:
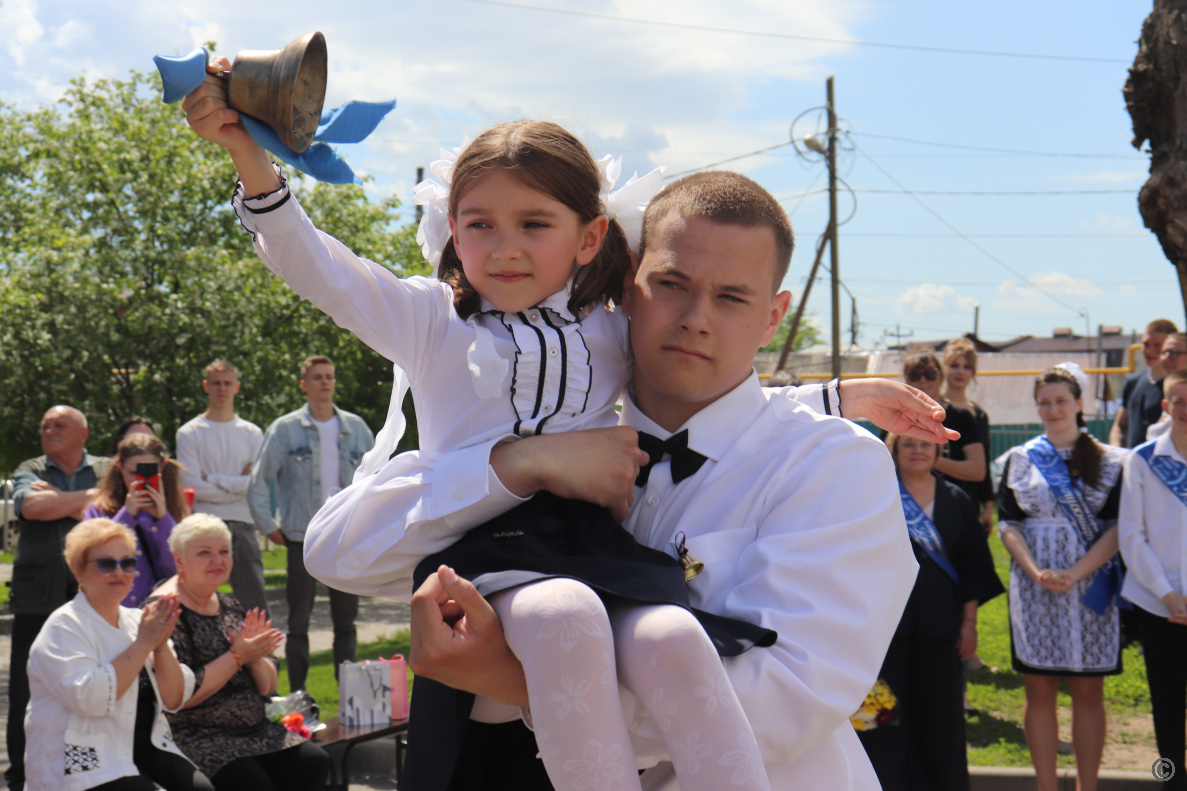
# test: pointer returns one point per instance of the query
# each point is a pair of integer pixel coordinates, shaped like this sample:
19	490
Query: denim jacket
291	459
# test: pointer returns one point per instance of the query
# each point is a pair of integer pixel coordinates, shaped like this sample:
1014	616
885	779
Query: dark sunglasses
1171	354
107	565
930	374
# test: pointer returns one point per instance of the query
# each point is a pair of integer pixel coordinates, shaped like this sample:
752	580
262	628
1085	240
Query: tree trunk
1156	97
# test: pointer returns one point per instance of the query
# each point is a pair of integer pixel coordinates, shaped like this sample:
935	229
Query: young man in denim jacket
309	455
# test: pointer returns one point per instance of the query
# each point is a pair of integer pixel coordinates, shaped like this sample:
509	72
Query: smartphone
148	474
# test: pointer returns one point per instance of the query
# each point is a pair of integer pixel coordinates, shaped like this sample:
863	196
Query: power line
898	235
711	164
956	230
995	193
819	39
1022	151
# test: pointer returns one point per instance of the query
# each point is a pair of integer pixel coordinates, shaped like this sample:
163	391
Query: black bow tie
685	461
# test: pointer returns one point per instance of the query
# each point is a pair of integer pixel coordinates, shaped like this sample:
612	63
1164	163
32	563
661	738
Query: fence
1004	437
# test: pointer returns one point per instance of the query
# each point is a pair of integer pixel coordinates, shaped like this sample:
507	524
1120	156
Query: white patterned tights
575	653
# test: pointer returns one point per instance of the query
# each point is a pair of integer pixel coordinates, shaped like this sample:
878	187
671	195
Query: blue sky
690	83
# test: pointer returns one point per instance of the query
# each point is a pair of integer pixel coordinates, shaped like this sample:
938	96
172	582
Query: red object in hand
189	497
295	722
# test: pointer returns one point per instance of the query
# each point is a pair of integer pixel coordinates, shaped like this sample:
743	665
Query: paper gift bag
364	693
399	682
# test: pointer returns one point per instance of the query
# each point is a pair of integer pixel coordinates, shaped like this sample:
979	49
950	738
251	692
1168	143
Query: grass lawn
321	684
996	738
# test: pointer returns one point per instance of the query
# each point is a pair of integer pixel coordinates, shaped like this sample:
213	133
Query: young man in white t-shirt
216	450
309	454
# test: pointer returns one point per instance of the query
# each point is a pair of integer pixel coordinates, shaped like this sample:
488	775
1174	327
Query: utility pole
832	214
420	210
977	321
898	335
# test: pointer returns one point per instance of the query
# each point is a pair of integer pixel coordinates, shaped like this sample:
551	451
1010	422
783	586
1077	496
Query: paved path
372	762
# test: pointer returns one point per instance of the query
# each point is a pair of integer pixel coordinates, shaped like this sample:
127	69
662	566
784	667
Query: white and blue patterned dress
1054	633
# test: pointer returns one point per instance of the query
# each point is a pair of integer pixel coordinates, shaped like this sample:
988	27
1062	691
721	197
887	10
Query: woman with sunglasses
101	677
150	505
964	463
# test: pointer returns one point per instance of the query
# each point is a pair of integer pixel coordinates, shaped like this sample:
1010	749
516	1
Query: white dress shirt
798	521
1152	530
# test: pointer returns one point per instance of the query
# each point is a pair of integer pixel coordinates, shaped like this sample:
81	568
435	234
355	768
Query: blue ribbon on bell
350	123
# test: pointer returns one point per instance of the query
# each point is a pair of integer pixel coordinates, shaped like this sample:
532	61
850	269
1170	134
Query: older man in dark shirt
50	493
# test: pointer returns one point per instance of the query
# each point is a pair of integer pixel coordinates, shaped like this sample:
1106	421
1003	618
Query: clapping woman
938	629
223	727
1057	515
101	677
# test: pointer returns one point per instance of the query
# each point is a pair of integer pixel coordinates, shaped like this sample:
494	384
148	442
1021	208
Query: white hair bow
626	204
1078	373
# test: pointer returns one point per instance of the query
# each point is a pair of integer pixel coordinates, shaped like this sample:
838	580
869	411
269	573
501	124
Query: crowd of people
650	633
144	530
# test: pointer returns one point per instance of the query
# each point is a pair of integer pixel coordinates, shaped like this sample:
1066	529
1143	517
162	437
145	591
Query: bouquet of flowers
297	712
879	708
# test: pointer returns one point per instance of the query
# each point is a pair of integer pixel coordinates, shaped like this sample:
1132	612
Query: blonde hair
219	365
194	527
88	534
317	359
960	347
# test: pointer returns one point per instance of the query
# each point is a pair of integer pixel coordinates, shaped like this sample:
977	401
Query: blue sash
1170	471
1070	496
924	533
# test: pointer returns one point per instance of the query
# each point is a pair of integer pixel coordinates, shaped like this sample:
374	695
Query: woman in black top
964	459
960	364
938	629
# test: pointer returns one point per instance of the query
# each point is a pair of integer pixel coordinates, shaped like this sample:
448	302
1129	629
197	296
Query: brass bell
284	88
692	566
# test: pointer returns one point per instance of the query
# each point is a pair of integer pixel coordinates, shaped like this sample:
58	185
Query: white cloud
18	18
1135	177
71	34
1126	288
1021	297
932	298
1109	223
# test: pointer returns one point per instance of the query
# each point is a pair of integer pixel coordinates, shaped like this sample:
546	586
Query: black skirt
549	536
546	537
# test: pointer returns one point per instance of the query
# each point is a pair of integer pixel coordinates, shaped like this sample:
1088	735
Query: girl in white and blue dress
517	336
1057	515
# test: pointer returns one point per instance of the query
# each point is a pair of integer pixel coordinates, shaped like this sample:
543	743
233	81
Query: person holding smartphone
142	490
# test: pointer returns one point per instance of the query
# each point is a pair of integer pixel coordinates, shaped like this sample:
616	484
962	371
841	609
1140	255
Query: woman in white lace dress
1057	508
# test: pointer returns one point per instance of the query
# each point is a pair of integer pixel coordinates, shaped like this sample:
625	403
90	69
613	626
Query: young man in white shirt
1152	531
216	450
795	515
310	454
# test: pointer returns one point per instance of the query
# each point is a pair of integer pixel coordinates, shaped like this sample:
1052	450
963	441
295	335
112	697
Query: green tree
124	271
808	334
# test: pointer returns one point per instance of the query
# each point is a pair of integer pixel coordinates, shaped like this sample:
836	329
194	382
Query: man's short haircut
219	366
317	359
69	410
1172	379
1162	326
725	197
